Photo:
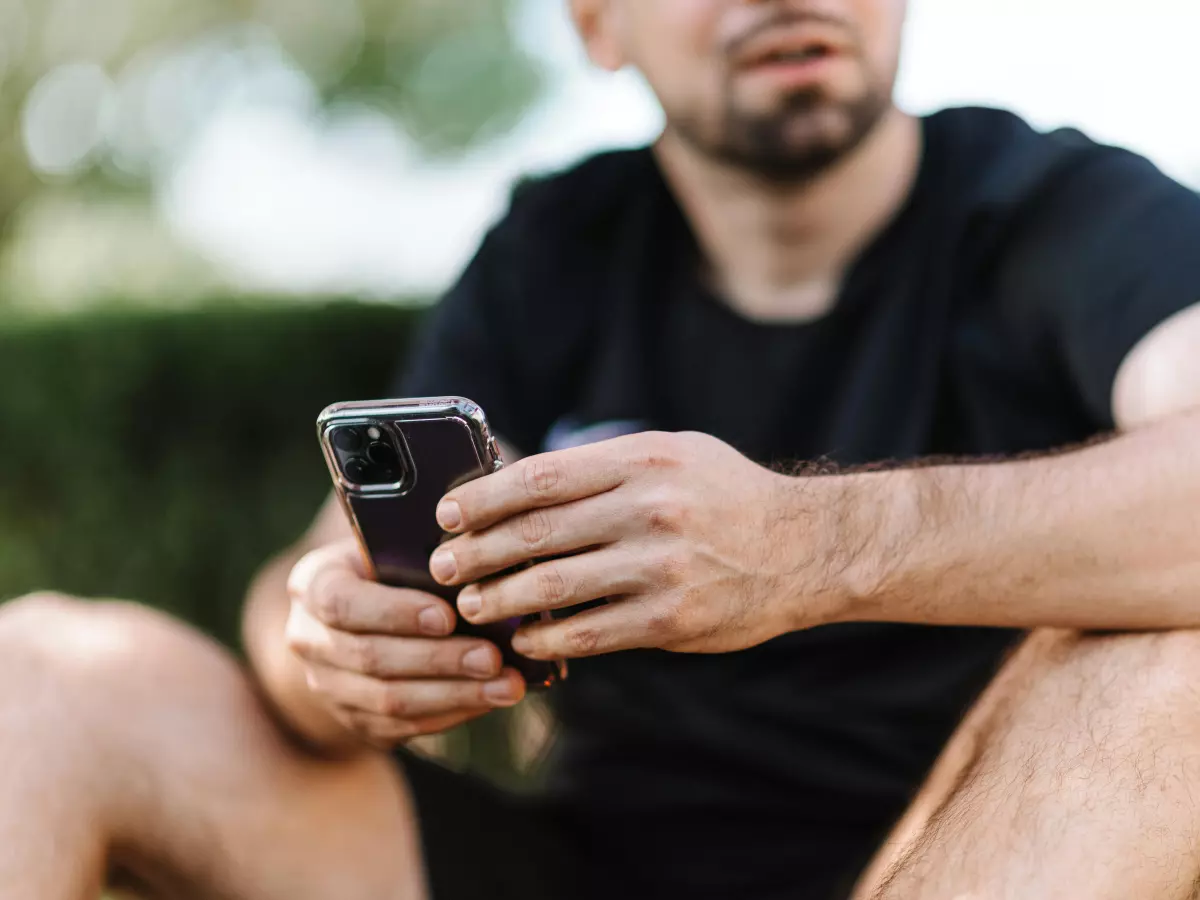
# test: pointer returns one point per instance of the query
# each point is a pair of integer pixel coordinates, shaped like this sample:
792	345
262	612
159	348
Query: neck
780	252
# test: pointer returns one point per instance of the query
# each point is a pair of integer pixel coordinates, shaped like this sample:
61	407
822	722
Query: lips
787	45
801	55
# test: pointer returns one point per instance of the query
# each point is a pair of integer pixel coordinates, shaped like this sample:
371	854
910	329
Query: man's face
782	88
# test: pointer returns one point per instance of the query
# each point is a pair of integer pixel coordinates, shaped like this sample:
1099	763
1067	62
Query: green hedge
163	456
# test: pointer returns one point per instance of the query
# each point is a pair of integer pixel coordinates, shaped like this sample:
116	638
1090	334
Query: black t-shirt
989	317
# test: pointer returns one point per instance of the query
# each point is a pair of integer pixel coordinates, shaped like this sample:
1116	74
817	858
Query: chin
826	130
799	144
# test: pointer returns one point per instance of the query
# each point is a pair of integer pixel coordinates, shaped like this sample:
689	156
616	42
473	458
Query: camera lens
348	440
357	469
383	456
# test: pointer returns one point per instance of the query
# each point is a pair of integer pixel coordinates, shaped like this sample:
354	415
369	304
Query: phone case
443	442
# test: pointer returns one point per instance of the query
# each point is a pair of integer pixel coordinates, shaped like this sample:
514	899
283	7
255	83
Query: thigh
961	752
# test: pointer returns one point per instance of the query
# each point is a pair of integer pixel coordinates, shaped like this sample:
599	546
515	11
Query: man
797	271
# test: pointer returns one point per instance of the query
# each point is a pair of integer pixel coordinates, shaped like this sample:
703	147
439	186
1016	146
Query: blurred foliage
107	92
164	457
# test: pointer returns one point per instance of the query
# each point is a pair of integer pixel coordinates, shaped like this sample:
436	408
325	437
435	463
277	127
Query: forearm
1106	537
278	670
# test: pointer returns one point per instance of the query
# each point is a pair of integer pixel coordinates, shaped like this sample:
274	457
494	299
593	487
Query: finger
555	584
624	624
392	657
331	585
531	535
413	699
548	479
386	732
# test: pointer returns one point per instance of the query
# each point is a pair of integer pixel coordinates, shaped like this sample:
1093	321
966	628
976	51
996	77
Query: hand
383	659
698	549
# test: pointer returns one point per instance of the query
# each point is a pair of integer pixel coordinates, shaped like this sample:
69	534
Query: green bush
164	456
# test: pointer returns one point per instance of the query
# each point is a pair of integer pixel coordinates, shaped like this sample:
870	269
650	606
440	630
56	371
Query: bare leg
1076	777
128	741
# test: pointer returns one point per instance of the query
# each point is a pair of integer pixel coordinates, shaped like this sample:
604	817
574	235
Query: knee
30	627
101	652
35	606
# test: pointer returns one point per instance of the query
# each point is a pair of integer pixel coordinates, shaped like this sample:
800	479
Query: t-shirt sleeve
467	345
1110	253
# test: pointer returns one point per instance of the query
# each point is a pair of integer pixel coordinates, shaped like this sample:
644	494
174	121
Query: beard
805	135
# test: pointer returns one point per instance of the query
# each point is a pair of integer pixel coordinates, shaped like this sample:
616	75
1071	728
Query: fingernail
449	515
480	661
434	621
470	604
443	565
522	644
500	693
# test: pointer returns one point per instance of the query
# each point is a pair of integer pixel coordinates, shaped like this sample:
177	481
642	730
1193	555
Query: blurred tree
104	94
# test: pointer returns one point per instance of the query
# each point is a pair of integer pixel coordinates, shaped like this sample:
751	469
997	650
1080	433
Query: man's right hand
383	659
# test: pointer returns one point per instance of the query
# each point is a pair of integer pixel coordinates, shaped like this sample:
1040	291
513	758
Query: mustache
782	18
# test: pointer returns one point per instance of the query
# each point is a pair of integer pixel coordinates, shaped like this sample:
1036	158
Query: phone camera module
368	455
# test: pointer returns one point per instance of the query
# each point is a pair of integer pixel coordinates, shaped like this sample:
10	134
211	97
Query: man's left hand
696	548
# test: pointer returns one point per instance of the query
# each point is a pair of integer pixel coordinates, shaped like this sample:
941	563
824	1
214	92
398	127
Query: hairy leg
128	741
1076	776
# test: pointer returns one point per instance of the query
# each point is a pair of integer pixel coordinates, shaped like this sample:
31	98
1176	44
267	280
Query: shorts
480	841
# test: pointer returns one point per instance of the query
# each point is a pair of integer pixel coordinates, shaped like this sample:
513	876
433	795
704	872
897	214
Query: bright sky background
284	203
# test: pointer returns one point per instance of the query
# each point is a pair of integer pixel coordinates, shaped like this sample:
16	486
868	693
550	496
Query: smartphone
391	462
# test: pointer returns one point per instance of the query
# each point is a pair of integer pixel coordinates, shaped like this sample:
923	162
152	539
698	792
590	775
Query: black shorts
480	841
